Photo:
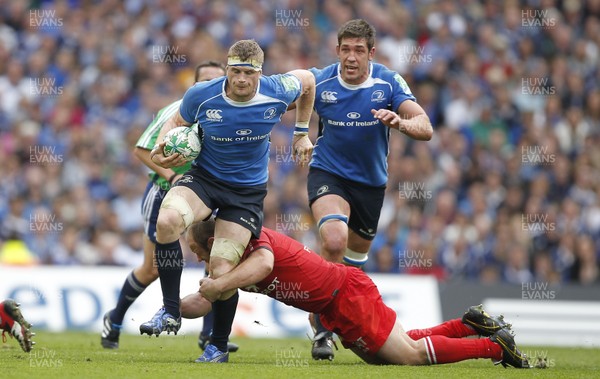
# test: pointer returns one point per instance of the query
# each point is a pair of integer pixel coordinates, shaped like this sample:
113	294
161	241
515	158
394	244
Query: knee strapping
332	217
180	204
354	258
227	249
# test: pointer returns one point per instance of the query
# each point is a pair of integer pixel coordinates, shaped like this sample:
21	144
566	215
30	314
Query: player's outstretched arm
250	271
410	119
301	144
157	154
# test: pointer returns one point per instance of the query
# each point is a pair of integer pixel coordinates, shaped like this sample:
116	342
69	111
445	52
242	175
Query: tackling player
348	303
161	180
237	114
358	103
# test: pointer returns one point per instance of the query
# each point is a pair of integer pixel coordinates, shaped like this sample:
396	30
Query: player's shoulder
380	71
288	81
327	72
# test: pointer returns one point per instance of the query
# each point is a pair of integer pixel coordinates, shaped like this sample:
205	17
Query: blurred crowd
508	190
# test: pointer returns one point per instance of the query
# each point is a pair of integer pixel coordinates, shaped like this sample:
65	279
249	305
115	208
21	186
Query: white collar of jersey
233	102
366	84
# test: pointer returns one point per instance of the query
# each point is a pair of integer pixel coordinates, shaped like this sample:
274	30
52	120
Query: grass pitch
79	355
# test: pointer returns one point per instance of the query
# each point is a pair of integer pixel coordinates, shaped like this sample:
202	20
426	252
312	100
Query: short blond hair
246	50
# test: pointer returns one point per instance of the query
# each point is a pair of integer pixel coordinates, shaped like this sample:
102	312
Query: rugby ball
183	140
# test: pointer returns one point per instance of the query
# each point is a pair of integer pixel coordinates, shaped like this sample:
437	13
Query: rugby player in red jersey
349	304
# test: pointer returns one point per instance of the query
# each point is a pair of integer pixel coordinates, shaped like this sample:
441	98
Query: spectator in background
108	63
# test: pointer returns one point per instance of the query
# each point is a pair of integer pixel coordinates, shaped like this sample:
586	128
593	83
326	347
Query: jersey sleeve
400	91
262	242
287	87
190	103
317	73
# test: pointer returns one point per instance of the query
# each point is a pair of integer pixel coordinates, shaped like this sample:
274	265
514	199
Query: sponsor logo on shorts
329	97
323	189
270	113
369	232
249	222
186	179
214	115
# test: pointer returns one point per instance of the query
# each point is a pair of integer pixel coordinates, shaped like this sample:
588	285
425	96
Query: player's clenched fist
209	289
302	149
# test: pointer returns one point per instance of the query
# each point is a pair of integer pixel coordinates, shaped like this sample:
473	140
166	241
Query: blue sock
224	313
132	288
207	323
169	259
208	320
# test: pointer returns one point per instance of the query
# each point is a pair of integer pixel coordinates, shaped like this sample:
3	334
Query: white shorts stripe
148	205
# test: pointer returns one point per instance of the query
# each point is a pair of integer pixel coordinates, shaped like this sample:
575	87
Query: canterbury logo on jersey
214	115
329	96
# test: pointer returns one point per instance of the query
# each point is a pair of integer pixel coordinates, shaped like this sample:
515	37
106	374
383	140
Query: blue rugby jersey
236	143
352	143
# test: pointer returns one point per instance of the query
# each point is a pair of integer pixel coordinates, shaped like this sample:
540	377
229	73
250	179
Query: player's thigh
232	231
200	210
399	348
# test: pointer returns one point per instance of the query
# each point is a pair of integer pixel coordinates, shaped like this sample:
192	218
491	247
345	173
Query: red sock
452	329
442	349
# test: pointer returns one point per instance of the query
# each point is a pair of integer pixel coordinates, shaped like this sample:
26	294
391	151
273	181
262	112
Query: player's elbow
307	79
265	268
265	264
139	153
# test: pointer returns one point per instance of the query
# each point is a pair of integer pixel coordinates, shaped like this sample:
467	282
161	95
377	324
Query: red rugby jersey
300	277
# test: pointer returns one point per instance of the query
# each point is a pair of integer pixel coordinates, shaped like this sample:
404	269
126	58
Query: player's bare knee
334	233
169	225
174	217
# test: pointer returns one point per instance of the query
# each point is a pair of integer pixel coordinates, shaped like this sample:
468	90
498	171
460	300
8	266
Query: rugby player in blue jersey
236	114
161	180
358	103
